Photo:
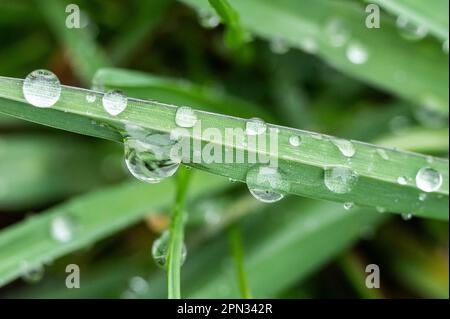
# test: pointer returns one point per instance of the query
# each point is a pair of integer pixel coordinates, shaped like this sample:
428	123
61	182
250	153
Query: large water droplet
150	158
337	33
295	140
160	249
31	273
267	184
255	126
357	53
410	30
185	117
62	228
114	102
41	88
340	179
345	147
428	179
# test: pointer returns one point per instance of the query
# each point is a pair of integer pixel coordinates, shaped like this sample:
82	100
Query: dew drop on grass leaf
422	197
62	228
91	97
357	54
255	126
337	33
41	88
345	147
294	140
207	19
31	273
428	179
382	153
149	158
340	179
138	285
407	216
114	102
160	248
410	30
267	184
185	117
348	205
402	180
279	46
380	209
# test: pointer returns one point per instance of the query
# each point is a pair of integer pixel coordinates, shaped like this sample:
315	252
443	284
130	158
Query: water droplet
41	88
207	19
445	46
381	209
357	53
160	248
114	102
62	228
91	97
410	30
267	184
150	158
428	179
337	33
340	179
255	126
138	285
407	216
422	197
430	159
345	147
294	140
382	153
31	273
348	205
185	117
402	180
279	46
309	45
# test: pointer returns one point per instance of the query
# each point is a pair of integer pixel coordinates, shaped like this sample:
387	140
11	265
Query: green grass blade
303	167
237	250
177	236
412	70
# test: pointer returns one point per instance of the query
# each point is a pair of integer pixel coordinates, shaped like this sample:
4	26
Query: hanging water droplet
62	228
337	33
402	180
207	19
267	184
348	205
279	46
185	117
114	102
151	158
345	147
31	273
422	197
91	97
410	30
340	179
428	179
255	126
294	140
357	53
160	249
382	153
41	88
407	216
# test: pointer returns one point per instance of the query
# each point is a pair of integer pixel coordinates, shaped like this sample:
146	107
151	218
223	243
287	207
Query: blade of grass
177	236
411	70
237	250
302	167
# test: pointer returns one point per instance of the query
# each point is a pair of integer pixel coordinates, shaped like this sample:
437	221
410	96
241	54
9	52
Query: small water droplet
255	126
345	147
295	140
428	179
267	184
340	179
138	285
150	158
382	153
62	228
309	45
410	30
357	53
160	248
381	209
430	159
41	88
114	102
31	273
348	205
337	33
407	216
402	180
185	117
207	19
91	97
279	46
422	197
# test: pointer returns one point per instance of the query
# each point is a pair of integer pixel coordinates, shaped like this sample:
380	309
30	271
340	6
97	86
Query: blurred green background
279	61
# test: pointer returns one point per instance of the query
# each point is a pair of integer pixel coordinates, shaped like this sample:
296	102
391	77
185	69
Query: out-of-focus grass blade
433	15
381	57
94	216
178	92
36	169
85	55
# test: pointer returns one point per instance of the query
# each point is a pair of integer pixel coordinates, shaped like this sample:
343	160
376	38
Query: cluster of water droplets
160	250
